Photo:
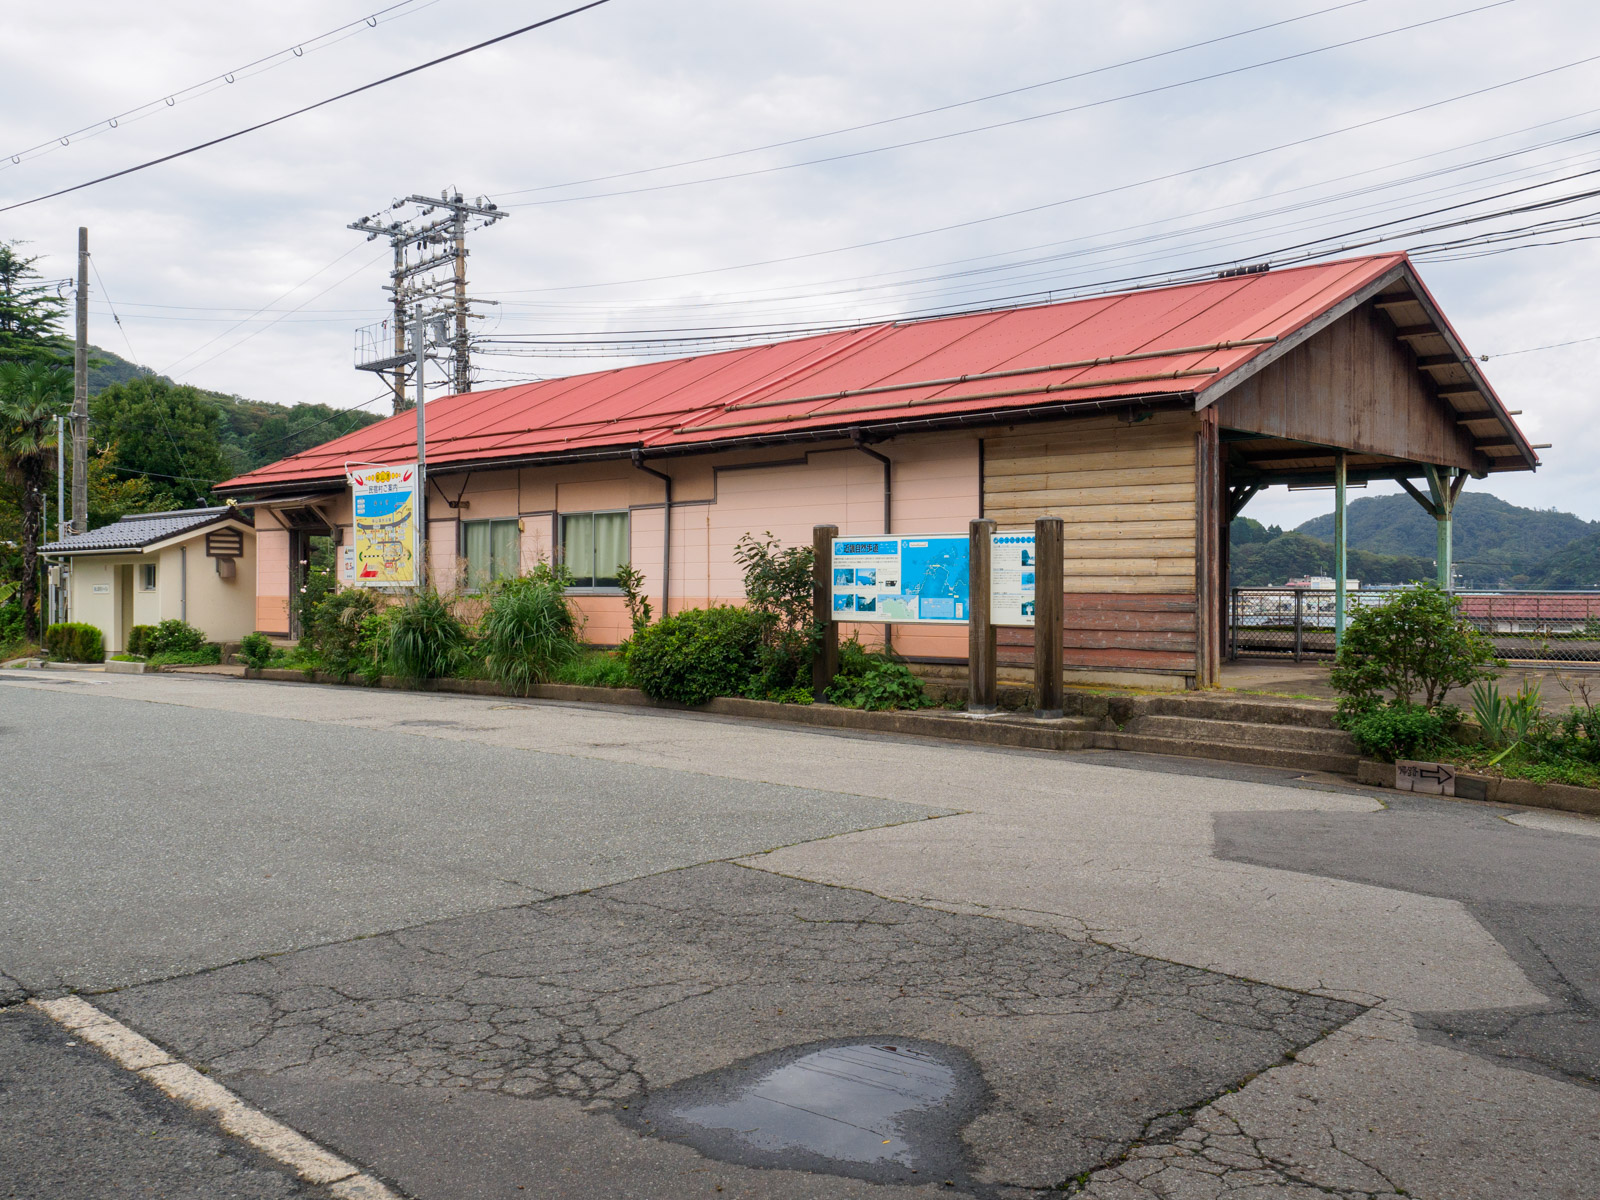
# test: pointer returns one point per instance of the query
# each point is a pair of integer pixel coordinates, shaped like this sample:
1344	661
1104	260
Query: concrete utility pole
419	343
430	264
80	394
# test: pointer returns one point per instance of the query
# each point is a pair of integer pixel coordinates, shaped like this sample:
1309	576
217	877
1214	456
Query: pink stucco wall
717	500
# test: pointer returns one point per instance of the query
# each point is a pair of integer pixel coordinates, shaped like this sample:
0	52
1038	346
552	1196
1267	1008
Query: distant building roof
138	530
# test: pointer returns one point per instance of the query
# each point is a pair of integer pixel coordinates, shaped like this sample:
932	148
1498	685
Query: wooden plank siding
1353	386
1126	493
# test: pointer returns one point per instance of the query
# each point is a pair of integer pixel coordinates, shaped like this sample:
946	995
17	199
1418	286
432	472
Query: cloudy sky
704	166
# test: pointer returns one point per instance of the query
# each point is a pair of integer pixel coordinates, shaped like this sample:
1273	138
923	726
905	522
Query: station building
1145	419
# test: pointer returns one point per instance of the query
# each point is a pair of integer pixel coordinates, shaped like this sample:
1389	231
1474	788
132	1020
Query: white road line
183	1083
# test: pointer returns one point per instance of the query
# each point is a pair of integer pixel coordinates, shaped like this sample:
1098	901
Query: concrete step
1244	733
1261	756
1307	714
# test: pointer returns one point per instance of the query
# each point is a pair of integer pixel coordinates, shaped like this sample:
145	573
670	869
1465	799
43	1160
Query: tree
1415	645
164	431
30	312
32	396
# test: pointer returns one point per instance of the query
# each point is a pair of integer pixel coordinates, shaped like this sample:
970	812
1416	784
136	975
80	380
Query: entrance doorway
124	606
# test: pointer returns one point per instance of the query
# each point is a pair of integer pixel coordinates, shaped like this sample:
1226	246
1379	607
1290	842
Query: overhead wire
940	108
1015	121
1083	196
355	91
182	95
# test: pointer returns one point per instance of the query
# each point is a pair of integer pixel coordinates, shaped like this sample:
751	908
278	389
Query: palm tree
32	396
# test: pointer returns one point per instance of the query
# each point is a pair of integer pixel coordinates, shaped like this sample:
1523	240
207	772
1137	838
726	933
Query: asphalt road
484	949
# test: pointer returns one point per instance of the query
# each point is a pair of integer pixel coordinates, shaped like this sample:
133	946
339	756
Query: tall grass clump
527	631
426	641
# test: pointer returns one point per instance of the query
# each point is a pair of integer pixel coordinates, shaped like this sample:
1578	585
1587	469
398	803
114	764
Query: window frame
151	569
591	588
470	584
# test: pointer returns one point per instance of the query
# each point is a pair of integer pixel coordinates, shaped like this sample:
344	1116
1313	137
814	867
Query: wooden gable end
1352	386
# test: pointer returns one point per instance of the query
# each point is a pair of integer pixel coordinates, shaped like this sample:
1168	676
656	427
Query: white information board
1011	572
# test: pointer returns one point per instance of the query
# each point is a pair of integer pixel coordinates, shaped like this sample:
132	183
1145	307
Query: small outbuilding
196	565
1145	420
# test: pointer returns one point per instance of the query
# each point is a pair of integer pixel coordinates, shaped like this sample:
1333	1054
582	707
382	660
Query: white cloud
634	84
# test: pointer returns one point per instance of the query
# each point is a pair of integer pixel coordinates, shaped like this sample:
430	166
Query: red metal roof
1167	341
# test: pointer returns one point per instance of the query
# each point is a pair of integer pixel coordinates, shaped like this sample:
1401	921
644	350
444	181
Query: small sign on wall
101	589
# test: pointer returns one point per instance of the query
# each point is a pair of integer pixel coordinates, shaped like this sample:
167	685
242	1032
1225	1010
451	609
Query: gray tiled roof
141	529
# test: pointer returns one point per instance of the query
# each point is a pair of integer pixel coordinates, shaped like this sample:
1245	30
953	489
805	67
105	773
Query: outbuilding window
493	550
147	577
593	547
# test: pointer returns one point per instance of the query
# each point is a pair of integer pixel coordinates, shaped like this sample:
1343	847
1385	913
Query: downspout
183	583
860	444
666	532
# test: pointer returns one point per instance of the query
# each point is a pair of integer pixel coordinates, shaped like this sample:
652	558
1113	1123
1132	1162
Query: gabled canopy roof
1187	342
138	532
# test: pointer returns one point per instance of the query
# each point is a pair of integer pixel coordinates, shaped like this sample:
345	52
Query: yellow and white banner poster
385	526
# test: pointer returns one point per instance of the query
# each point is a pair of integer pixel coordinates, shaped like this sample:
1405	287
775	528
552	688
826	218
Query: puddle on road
882	1110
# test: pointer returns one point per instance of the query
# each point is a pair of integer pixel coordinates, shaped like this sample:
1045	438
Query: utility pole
419	343
430	264
80	394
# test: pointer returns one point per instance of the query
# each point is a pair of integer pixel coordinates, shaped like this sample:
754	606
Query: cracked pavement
460	942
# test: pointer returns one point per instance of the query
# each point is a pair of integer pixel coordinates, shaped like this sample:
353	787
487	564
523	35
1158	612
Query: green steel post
1443	486
1338	549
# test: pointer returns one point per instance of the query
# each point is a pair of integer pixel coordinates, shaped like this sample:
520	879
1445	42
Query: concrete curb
1560	796
998	729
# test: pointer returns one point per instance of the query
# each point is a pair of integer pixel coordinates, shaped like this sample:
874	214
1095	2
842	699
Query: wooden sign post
826	663
981	685
1048	585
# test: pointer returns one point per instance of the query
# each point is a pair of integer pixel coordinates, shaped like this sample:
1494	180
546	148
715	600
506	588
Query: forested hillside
1494	541
1392	540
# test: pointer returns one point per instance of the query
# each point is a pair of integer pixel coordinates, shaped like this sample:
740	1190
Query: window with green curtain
594	546
493	549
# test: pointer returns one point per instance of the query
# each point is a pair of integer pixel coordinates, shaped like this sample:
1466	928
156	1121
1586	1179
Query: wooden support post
1210	521
826	664
1339	555
1048	585
981	680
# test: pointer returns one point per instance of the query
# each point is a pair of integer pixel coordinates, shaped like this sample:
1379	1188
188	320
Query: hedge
73	641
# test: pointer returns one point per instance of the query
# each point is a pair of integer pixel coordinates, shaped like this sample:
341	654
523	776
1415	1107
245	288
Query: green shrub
74	641
594	668
527	631
139	640
173	636
372	647
874	681
426	641
256	650
778	585
698	654
334	632
1415	646
631	581
208	655
1397	730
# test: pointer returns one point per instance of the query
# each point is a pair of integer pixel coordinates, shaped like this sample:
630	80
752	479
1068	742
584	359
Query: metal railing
1297	623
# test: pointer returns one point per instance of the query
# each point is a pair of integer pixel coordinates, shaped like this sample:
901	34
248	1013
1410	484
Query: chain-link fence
1297	623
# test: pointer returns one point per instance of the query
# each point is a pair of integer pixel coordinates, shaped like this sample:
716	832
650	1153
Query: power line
260	329
1532	349
1016	91
1090	104
193	91
1095	195
355	91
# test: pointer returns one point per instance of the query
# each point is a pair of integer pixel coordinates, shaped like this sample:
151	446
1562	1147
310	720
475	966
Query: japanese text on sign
901	580
1011	571
385	536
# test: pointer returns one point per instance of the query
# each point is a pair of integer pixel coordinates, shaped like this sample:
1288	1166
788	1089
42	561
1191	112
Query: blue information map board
919	579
